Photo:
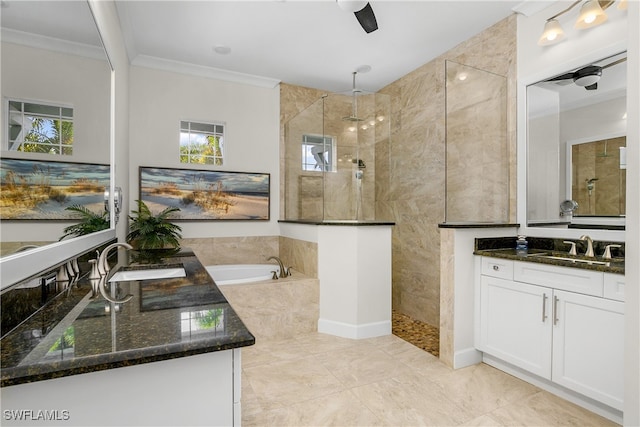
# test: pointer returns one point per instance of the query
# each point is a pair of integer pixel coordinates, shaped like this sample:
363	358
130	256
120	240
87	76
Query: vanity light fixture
552	33
591	14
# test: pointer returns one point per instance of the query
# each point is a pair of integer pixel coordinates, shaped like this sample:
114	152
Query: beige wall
416	200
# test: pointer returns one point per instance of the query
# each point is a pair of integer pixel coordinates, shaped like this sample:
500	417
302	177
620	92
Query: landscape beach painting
42	190
206	195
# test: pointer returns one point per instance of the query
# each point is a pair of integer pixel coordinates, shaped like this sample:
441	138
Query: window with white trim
35	127
318	153
202	143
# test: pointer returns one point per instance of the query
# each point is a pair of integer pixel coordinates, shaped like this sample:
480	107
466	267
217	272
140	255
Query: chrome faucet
589	252
283	271
103	265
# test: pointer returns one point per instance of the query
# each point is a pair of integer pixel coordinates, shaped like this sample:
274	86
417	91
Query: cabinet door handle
544	307
555	310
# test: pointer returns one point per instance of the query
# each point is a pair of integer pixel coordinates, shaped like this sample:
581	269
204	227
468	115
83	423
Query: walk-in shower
337	157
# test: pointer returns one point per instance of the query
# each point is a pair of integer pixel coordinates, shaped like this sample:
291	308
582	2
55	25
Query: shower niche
337	158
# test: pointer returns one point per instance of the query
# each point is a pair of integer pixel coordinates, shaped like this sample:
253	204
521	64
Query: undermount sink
148	274
575	260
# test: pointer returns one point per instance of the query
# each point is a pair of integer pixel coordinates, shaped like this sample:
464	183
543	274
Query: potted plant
90	222
153	231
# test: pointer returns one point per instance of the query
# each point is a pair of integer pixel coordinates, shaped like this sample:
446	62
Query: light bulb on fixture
591	14
372	123
622	5
380	118
351	128
552	33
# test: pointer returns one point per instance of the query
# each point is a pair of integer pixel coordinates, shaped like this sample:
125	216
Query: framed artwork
206	195
42	190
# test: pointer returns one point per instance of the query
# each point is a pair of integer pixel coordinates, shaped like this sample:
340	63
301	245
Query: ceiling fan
586	77
363	11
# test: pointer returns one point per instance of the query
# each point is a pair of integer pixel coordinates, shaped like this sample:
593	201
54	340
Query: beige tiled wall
417	177
233	250
410	181
300	255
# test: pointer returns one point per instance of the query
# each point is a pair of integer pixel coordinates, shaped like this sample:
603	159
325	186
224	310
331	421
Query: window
201	143
318	153
40	128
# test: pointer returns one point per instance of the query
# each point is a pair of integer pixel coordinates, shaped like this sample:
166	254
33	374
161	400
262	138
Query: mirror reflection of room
56	89
576	133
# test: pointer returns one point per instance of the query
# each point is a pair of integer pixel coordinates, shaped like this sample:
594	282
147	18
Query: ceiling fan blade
567	76
614	63
367	19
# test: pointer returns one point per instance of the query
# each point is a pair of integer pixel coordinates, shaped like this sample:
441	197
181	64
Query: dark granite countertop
79	331
346	222
471	224
504	247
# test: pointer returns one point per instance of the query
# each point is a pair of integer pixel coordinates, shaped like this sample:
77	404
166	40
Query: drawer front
614	286
497	267
564	278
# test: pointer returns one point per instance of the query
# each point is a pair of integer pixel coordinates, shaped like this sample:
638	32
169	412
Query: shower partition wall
337	158
477	146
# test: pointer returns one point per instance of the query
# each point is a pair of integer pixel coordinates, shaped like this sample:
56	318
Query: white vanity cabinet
563	324
514	324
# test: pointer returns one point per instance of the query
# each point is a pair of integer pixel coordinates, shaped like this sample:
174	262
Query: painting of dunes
42	190
206	195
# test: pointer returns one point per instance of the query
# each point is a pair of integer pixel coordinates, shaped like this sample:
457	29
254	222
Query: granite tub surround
504	247
79	331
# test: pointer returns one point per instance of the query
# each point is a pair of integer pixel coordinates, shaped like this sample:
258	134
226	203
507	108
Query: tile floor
322	380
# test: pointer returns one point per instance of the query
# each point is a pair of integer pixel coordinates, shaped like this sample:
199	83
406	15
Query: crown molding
53	44
203	71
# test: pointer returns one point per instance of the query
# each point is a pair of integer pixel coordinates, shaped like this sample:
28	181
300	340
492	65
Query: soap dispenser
522	246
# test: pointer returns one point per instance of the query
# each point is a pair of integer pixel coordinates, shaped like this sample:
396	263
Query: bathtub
233	274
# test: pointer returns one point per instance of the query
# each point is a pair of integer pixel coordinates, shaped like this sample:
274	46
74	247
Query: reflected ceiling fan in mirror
363	11
586	77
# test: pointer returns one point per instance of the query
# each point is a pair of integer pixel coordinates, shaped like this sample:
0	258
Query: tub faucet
103	265
283	271
589	252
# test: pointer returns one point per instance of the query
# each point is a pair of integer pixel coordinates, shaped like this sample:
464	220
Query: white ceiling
309	43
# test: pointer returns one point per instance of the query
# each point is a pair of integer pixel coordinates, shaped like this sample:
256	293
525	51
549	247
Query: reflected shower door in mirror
597	176
573	114
52	59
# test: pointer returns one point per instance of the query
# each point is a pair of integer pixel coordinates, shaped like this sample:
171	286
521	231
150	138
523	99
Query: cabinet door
588	346
515	323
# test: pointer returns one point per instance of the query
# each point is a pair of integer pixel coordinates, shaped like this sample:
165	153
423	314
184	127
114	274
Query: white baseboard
347	330
467	357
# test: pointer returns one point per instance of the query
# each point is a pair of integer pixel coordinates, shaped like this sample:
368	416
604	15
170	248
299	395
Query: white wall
535	63
80	82
159	100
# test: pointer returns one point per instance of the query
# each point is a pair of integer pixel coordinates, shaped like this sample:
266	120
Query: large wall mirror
576	146
52	56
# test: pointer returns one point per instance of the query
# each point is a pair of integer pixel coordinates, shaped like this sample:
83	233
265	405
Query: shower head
359	162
